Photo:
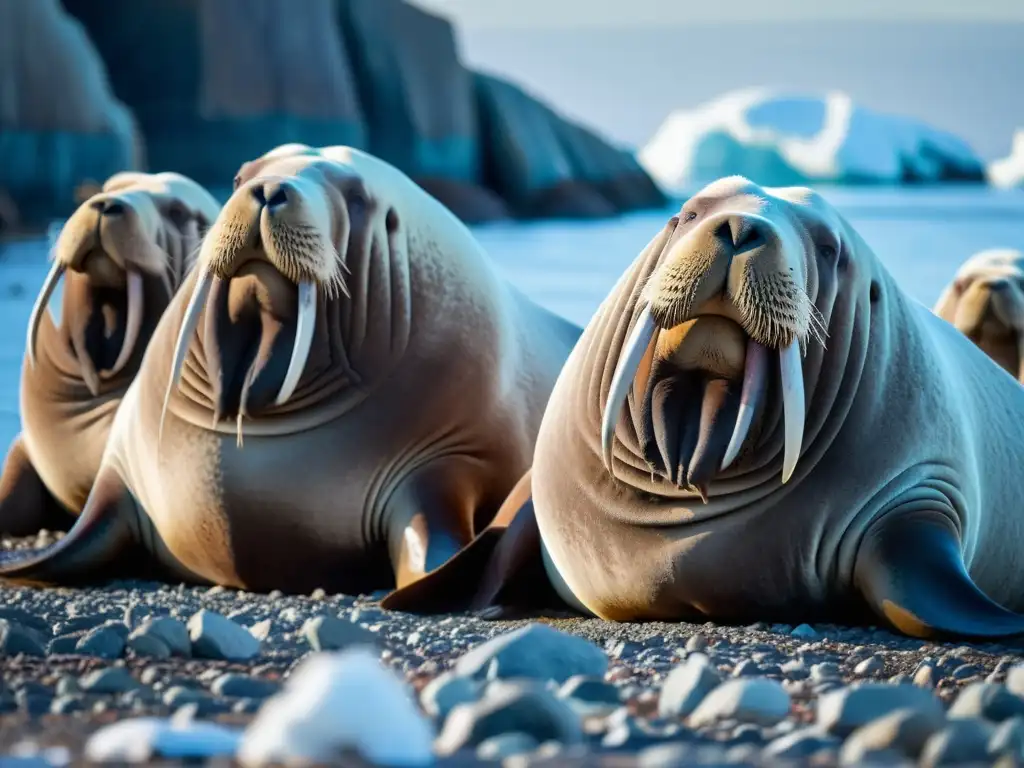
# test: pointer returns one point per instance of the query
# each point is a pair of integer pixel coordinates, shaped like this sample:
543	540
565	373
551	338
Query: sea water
921	235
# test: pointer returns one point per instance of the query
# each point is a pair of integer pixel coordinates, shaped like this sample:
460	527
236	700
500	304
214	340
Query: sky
603	13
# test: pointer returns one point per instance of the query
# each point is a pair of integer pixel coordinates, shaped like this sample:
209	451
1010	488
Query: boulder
62	125
782	138
418	101
525	159
215	83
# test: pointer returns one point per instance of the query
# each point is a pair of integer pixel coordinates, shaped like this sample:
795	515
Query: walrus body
353	391
985	302
758	424
122	255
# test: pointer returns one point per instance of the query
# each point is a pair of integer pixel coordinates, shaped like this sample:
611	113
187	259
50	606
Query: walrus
122	255
758	424
985	301
340	396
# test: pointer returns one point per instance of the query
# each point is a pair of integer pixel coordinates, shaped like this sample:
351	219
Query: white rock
141	739
777	138
747	699
337	701
1009	171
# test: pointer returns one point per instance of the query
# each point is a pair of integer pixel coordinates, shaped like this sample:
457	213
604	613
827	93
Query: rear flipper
499	574
100	545
26	505
910	572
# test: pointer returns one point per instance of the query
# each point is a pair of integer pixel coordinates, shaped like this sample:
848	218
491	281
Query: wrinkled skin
759	425
341	395
985	302
122	255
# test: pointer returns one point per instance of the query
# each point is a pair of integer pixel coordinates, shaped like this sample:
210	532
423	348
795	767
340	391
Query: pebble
337	701
960	742
751	700
445	692
904	731
687	685
925	675
506	745
989	701
107	641
109	680
523	707
805	631
16	639
326	633
216	637
589	690
142	739
169	631
535	651
1015	679
243	686
843	711
696	643
800	744
261	629
148	646
1008	739
872	665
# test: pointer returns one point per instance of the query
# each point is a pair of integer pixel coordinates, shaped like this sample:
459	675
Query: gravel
185	672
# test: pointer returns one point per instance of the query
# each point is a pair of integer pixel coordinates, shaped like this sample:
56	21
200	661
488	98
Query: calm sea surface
920	235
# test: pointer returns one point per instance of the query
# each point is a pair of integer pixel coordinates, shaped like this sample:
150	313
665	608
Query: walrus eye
238	181
827	251
689	216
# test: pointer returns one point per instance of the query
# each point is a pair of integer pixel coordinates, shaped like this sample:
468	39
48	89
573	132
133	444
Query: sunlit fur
985	302
298	238
766	285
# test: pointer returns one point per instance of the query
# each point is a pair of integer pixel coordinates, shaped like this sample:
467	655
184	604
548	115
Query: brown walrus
122	255
759	425
341	395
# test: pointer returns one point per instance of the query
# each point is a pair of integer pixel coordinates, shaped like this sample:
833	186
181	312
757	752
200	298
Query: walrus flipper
910	571
26	505
89	551
498	574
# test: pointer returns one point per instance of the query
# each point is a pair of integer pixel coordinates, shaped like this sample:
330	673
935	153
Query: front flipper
500	573
94	548
910	571
26	505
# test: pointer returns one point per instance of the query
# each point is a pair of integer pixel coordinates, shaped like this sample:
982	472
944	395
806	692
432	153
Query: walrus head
721	326
122	255
985	302
271	322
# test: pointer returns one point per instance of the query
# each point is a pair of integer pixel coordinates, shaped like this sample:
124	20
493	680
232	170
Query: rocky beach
222	673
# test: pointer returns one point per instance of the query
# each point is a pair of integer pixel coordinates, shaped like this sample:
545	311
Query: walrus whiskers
188	329
42	301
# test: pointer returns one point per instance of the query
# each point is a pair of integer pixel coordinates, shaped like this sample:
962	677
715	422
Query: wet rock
687	685
16	639
843	711
990	701
749	700
326	633
338	701
511	707
243	686
903	731
216	637
960	742
535	651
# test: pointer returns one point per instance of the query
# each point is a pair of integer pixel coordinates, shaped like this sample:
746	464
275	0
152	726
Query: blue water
921	236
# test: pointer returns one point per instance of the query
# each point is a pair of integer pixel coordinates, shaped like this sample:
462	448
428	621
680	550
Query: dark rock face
61	124
211	84
214	83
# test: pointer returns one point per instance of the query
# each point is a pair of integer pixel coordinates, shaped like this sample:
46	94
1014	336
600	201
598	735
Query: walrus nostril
275	194
746	233
998	286
113	208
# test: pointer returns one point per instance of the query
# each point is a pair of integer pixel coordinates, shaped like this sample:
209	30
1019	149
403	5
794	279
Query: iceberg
779	138
1008	172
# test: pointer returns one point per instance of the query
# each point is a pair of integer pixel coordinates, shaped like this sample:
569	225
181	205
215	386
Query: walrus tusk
41	306
640	339
792	406
188	329
304	328
754	378
133	324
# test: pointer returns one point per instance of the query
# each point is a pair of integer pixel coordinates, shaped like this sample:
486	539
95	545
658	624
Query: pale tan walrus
122	255
985	301
759	425
341	395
